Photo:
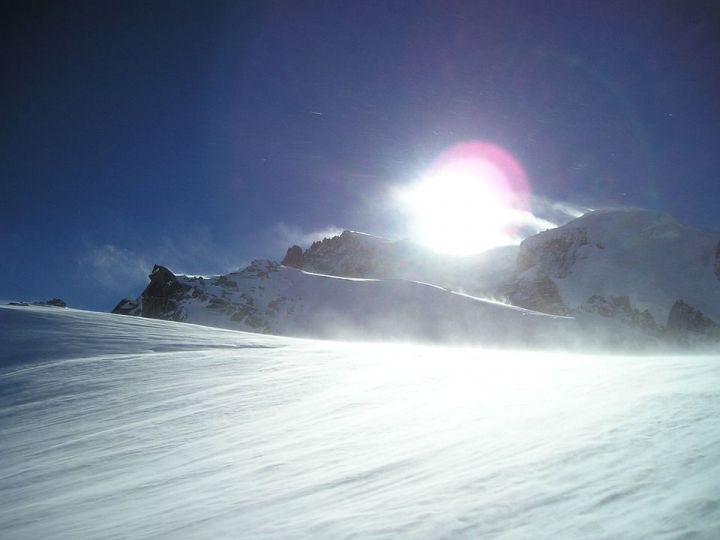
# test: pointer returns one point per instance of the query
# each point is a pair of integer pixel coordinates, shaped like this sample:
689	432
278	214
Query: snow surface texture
122	427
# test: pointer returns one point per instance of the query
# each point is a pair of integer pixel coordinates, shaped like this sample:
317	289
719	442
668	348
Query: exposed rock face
684	320
169	296
54	302
160	300
350	254
554	257
539	293
294	257
620	309
647	256
541	260
354	254
127	306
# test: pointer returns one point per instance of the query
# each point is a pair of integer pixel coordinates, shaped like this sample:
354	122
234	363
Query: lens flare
472	198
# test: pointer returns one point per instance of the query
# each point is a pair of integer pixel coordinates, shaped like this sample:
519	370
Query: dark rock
350	254
685	319
160	300
620	308
127	306
539	294
55	302
293	257
554	257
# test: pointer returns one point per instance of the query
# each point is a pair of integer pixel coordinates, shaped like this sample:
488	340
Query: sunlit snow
115	426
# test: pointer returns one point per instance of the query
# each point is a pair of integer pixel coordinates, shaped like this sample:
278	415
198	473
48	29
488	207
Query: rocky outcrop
168	297
542	259
160	300
128	306
57	302
604	256
53	302
359	255
294	257
350	254
620	309
555	255
685	321
539	293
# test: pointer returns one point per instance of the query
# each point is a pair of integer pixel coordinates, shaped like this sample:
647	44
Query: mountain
637	264
625	277
270	298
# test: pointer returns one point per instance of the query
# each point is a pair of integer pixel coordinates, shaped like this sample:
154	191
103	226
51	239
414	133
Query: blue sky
201	135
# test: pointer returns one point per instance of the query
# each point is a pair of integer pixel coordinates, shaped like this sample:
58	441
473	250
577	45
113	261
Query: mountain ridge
637	272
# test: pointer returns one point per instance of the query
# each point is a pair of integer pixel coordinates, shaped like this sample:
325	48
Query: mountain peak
646	255
350	254
629	266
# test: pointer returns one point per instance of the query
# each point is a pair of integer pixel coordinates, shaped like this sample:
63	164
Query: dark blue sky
204	134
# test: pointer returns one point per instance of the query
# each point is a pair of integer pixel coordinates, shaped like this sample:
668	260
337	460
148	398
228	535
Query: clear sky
201	135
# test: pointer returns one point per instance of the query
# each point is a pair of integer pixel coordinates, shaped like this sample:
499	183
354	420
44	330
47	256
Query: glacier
125	427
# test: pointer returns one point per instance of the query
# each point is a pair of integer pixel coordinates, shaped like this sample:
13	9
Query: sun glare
470	200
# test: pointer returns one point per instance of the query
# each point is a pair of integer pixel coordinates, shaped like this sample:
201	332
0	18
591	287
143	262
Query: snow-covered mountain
623	275
271	298
125	427
641	266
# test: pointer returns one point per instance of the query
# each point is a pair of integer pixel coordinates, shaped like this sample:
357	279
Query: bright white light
461	208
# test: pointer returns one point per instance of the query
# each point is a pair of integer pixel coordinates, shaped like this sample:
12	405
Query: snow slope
280	300
122	427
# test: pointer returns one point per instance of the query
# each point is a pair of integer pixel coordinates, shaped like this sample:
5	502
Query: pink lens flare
475	158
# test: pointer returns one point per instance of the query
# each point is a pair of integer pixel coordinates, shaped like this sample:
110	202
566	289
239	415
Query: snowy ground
115	426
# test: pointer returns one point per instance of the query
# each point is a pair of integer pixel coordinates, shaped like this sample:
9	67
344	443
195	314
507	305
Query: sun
468	201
